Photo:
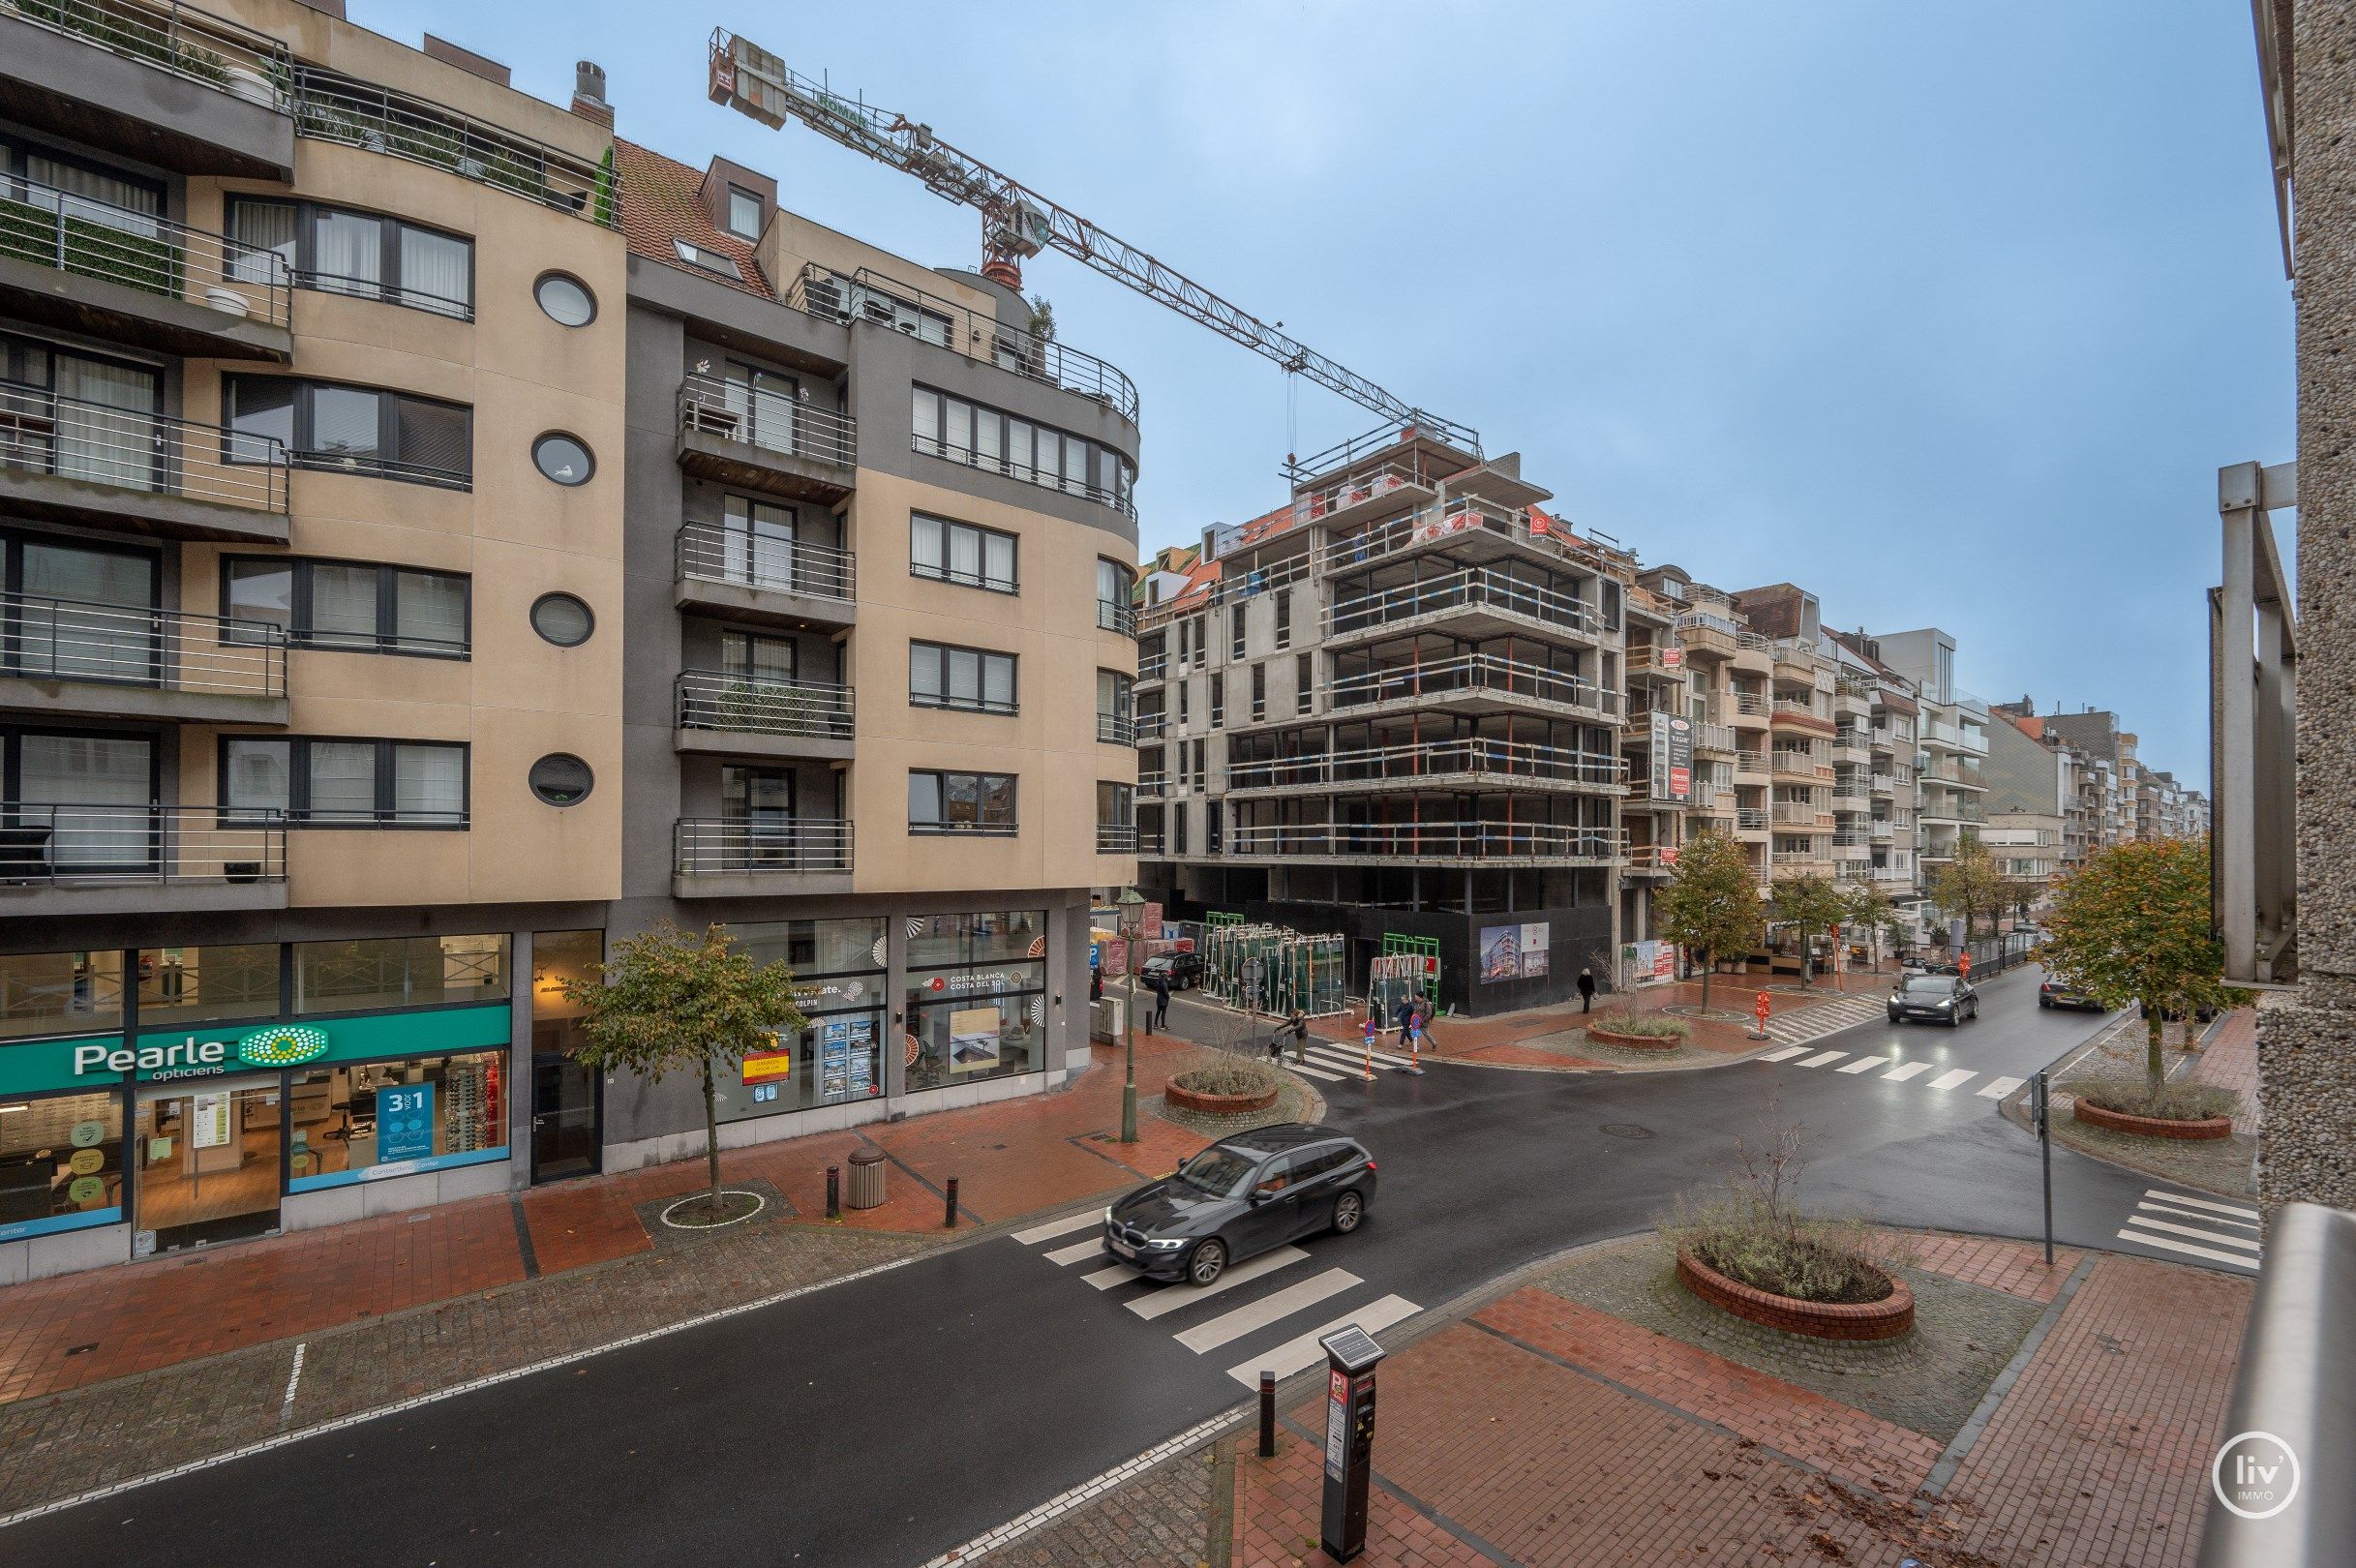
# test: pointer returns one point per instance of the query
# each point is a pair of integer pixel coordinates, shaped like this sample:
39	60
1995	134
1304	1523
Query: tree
1870	906
1712	905
1810	904
670	1002
2131	925
1043	318
1969	885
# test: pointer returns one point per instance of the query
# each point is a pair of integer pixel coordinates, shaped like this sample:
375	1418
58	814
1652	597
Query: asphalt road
888	1419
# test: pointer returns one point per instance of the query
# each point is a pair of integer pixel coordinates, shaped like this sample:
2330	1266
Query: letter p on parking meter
1350	1357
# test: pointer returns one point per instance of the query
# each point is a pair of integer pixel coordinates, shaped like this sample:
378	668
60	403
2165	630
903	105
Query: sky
1946	311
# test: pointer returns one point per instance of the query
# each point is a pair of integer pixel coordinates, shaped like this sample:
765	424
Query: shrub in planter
1801	1258
1225	1088
1642	1031
2175	1110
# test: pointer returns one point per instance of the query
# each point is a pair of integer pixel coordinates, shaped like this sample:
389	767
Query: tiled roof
661	202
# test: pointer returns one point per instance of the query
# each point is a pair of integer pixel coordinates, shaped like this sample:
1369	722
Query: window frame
300	453
297	812
300	634
964	446
943	828
982	703
948	573
759	207
704	259
389	289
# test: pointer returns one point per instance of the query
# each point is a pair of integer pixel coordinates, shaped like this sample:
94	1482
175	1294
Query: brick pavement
2230	1061
2015	1268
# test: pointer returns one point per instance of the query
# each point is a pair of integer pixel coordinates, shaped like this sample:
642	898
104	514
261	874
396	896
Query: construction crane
1018	222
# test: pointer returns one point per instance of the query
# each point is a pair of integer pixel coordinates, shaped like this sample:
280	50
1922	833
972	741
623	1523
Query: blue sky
1948	311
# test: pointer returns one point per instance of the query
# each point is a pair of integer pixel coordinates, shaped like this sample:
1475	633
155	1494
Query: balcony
1116	839
1367	494
1794	661
159	82
1790	863
125	471
104	859
114	661
1882	832
1752	763
741	856
738	716
757	577
128	277
1475	602
1434	765
1800	716
1459	844
758	439
1116	730
1113	616
1745	709
1751	819
1471	683
1798	766
1152	667
1707	637
1152	783
1650	860
1151	726
1465	529
1713	737
1801	817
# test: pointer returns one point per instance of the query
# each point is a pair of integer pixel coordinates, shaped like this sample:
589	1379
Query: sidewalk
2229	1060
1542	1430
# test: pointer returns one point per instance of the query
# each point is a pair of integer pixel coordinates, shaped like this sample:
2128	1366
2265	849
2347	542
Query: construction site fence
1274	969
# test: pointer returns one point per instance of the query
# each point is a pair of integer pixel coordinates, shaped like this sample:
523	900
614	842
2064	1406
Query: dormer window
695	255
744	213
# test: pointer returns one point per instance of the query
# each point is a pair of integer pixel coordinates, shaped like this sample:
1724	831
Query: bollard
949	1217
834	1191
1267	1415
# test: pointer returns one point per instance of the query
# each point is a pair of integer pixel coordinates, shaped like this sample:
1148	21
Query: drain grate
1626	1129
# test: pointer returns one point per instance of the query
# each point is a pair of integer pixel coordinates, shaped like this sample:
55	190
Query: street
893	1416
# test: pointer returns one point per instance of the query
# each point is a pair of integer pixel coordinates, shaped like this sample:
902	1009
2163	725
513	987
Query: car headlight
1164	1243
1108	1214
1947	1003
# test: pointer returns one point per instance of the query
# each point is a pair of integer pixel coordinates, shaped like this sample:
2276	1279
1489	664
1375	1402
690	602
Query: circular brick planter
1634	1042
2151	1127
1209	1104
1884	1320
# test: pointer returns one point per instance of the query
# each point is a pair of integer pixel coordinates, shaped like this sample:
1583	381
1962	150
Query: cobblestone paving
2222	1166
1574	1042
1172	1516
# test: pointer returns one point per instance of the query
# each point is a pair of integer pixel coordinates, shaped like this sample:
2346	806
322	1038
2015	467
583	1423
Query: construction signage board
1672	758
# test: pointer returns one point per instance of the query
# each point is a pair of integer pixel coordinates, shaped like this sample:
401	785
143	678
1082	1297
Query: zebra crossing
2189	1226
1896	1069
1826	1017
1332	1063
1289	1293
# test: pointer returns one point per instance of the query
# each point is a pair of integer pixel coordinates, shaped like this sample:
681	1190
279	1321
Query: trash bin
866	1180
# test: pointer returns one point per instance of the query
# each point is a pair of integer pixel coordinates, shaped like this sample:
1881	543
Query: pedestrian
1096	985
1400	1012
1160	1019
1587	990
1299	1025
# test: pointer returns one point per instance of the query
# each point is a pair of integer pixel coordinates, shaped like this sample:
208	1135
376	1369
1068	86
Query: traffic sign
1760	1006
1963	964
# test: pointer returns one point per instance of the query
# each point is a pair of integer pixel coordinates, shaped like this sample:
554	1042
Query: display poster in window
404	1122
862	1058
1537	939
972	1039
1665	961
1500	953
834	1061
760	1067
208	1120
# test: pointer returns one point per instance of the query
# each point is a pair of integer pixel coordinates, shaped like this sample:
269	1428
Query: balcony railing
126	449
1713	737
1361	489
1426	841
1471	672
1116	839
1751	819
1476	587
772	421
43	844
1153	667
1792	814
1152	783
1749	703
1441	759
715	553
44	639
85	238
329	106
1112	615
1116	729
1151	726
1027	472
867	295
1782	761
750	704
193	45
712	846
1455	520
1356	448
1750	761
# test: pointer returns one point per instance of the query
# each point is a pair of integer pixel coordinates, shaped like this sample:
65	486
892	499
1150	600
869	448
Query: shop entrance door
209	1162
567	1097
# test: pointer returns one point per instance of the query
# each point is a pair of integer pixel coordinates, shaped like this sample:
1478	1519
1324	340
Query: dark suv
1243	1194
1182	970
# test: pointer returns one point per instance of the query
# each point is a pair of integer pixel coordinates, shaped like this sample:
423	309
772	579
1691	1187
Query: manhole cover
1626	1129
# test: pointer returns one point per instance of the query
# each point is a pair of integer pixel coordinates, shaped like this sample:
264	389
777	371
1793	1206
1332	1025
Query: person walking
1400	1012
1587	990
1160	1019
1298	1026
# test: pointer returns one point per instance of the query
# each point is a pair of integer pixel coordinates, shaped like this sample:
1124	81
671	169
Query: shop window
399	972
420	1113
61	1163
838	970
977	996
60	993
186	985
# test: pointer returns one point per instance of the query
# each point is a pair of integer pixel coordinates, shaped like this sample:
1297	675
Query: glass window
695	256
61	1163
399	972
561	780
180	985
60	993
261	591
341	605
428	609
566	299
351	429
940	675
348	254
744	213
436	271
344	1121
343	422
563	459
342	775
340	783
562	619
976	1001
358	253
429	783
926	420
945	802
262	418
257	775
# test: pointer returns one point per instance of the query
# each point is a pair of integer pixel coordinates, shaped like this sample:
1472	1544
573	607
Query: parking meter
1350	1357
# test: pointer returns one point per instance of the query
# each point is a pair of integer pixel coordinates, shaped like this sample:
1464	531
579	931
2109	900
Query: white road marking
1065	1257
2208	1252
2174	1229
2235	1210
1170	1298
1117	1275
1059	1227
1866	1063
1342	1056
1258	1314
2001	1088
1820	1057
1953	1080
1899	1074
2195	1214
295	1380
1297	1355
1783	1055
1307	1071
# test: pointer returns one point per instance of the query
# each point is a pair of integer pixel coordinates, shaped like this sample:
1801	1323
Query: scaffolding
1274	969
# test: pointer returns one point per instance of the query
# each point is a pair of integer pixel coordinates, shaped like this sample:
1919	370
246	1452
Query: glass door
92	793
209	1163
760	543
758	805
567	1097
86	613
763	402
110	433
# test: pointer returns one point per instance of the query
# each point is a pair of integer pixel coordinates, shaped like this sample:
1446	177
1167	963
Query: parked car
1182	969
2060	993
1242	1196
1947	999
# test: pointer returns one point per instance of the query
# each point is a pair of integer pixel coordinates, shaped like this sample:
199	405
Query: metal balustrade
1456	519
45	639
711	846
1151	726
1472	671
1431	759
1116	839
106	845
750	704
768	420
1116	729
193	45
1475	588
1112	615
1154	665
716	554
1751	819
1426	841
1425	426
1152	783
77	235
1026	472
129	449
1794	814
1358	489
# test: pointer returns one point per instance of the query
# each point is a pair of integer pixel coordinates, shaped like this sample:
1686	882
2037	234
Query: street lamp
1132	907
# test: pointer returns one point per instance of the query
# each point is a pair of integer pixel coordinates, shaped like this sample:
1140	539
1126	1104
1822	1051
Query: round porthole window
562	458
562	619
566	298
561	779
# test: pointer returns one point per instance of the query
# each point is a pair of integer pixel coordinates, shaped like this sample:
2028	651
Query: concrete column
519	1062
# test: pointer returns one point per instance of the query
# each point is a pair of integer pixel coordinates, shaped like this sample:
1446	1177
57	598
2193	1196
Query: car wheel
1209	1262
2045	1002
1349	1209
1894	1018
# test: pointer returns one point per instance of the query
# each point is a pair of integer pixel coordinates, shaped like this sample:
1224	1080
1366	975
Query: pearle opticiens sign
273	1046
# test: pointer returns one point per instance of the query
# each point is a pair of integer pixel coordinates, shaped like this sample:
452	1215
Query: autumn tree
1970	885
1809	904
2131	925
670	1003
1869	905
1711	907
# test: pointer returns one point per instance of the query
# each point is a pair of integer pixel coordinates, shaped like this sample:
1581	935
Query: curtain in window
103	630
965	675
109	434
998	682
429	609
965	555
343	780
924	544
261	230
1001	570
924	670
98	789
432	437
343	422
429	783
254	775
347	253
760	543
343	604
90	197
435	272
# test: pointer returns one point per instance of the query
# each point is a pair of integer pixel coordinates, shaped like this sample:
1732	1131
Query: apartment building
1394	706
1679	759
1951	740
1892	712
1819	800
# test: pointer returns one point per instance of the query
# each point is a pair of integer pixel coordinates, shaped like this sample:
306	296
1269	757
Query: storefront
837	1056
977	997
